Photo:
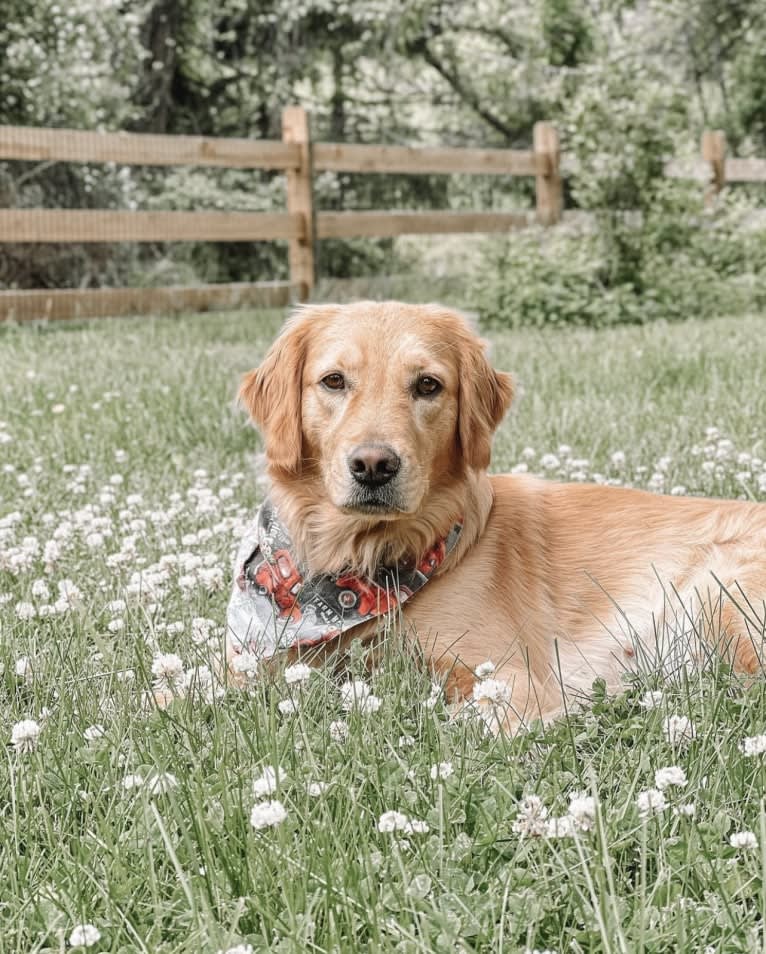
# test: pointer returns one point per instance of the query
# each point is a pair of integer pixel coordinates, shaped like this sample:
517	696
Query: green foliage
687	263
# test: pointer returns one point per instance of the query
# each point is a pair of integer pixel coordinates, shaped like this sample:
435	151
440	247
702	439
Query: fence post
548	186
714	152
300	199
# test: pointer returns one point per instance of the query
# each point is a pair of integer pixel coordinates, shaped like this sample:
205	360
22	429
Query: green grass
183	870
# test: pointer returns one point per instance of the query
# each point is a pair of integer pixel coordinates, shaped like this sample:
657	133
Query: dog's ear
272	395
485	396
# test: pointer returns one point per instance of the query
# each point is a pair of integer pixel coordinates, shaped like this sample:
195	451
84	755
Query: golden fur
558	584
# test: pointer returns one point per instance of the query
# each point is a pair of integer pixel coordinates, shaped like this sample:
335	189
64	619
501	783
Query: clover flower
672	775
442	770
168	671
496	691
84	935
25	736
268	781
679	730
743	840
531	820
753	745
267	815
651	802
297	674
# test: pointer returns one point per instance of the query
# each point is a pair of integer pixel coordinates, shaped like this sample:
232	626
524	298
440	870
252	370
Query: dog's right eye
334	381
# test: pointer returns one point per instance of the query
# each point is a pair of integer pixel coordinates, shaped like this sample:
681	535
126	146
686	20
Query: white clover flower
288	707
41	590
338	730
582	811
392	821
687	810
23	668
563	827
396	821
168	671
744	840
651	802
25	736
132	781
297	674
442	770
406	741
484	669
94	732
160	783
25	611
116	625
651	699
672	775
679	730
268	781
267	815
753	745
246	664
434	696
531	820
370	704
237	949
496	691
353	694
315	789
84	935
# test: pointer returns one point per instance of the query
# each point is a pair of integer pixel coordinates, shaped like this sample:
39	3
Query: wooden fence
300	225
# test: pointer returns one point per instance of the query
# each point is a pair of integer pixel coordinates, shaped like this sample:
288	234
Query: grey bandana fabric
275	606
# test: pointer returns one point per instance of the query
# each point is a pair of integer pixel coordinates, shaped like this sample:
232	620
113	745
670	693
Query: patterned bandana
274	606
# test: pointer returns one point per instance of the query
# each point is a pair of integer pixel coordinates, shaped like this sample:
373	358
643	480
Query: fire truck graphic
367	598
281	580
432	559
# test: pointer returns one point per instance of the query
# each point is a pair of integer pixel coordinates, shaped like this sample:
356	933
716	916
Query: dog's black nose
373	465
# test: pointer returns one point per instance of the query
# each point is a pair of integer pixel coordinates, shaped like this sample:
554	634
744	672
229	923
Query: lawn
126	475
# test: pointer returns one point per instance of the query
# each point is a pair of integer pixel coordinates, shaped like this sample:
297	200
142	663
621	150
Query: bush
692	264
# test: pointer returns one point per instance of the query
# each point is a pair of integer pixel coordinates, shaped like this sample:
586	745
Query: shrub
692	264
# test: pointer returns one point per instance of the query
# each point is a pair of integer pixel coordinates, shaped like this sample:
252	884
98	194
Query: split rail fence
300	225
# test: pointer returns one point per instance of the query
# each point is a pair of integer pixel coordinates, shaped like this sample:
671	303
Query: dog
378	420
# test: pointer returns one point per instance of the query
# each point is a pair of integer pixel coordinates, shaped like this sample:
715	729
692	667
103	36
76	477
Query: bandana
274	605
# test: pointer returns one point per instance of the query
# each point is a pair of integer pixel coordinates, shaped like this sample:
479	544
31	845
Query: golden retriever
378	420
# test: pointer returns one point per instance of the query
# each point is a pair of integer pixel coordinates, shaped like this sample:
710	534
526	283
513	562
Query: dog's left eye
334	382
426	386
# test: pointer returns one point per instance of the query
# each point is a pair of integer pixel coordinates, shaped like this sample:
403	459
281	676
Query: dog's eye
427	386
334	381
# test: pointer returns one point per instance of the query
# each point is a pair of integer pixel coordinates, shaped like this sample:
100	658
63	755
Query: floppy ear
485	396
272	395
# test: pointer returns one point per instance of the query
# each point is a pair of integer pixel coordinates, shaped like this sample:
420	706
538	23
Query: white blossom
267	815
25	736
651	802
744	840
672	775
84	935
531	820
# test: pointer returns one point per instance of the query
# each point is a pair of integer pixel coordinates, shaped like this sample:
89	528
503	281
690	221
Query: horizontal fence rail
144	149
95	225
301	226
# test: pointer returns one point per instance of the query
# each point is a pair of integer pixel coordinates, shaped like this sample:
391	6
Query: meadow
301	815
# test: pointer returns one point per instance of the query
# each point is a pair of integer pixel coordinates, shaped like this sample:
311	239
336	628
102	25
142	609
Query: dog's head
380	402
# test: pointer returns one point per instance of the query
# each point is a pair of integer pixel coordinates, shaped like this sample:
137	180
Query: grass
119	443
